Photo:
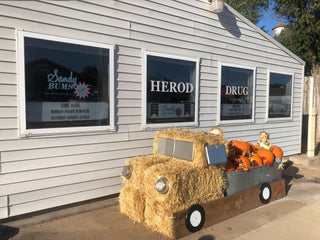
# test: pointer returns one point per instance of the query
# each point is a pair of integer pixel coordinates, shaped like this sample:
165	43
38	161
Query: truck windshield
216	154
175	148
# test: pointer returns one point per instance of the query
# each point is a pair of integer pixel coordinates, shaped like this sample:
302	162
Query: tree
302	36
302	33
251	9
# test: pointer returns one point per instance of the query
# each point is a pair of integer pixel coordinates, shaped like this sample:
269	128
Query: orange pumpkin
253	148
244	163
246	150
277	152
266	156
241	148
256	160
235	147
256	147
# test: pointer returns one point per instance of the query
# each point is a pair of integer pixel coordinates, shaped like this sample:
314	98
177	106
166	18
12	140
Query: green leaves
251	9
303	31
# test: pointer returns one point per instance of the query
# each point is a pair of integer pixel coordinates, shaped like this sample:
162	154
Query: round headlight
127	171
162	185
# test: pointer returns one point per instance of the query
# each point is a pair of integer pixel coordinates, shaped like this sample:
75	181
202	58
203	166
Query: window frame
23	131
236	121
268	119
146	125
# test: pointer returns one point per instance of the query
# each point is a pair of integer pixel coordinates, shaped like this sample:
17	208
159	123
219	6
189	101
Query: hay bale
159	218
132	203
132	196
188	185
140	164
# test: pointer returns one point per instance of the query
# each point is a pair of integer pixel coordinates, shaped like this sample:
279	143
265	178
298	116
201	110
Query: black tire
195	218
265	193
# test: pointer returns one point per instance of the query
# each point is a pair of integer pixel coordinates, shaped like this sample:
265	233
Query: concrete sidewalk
300	224
295	216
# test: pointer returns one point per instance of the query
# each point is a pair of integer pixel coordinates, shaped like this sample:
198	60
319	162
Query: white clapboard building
84	85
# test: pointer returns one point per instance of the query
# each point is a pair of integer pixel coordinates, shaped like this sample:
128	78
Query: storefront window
280	95
237	93
67	85
171	90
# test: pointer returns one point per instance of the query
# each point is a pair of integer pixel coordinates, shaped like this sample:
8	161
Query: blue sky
268	22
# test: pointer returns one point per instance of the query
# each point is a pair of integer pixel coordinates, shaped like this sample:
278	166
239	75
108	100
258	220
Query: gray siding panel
41	172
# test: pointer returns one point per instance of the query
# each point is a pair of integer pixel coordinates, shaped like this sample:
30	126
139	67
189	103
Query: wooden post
311	123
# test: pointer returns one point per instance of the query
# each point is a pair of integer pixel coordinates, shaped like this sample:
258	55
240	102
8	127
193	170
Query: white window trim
21	79
195	123
226	122
268	97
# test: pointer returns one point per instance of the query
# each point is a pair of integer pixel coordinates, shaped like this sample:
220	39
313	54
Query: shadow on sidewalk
290	172
7	232
207	237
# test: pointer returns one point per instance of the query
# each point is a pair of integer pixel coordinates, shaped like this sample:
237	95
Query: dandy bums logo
59	82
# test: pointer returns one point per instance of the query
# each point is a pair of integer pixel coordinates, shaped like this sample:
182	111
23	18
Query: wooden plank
112	159
129	94
220	41
7	67
47	183
8	33
227	207
3	212
8	78
3	201
9	112
134	111
8	44
33	206
7	123
8	101
62	141
132	86
38	153
79	18
129	77
57	172
47	193
7	55
126	68
8	89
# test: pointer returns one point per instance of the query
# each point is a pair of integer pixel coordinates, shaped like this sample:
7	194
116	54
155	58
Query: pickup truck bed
229	206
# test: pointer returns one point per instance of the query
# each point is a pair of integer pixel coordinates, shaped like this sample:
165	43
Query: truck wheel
195	218
265	193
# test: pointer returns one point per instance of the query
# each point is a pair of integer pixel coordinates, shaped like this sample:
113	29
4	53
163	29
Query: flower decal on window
82	90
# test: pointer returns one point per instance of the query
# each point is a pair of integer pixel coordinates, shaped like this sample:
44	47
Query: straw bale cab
169	189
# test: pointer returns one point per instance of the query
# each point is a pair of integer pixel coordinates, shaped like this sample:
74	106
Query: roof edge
264	34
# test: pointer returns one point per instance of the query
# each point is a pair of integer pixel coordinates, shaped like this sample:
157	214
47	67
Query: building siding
41	172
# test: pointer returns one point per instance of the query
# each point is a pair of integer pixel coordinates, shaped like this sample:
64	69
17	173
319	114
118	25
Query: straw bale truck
184	173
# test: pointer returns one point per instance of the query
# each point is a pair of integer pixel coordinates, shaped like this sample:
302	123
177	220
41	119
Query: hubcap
266	193
195	218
